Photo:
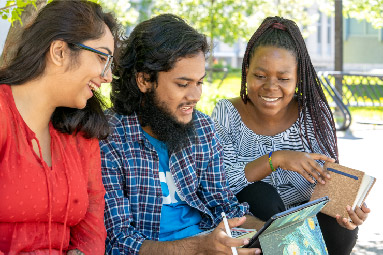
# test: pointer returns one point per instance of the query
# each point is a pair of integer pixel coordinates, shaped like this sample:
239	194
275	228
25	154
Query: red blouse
45	209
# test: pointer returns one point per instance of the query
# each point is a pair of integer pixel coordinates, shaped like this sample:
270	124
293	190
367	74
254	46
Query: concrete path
361	147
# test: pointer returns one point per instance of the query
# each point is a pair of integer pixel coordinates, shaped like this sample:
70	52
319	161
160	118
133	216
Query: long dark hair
73	22
155	45
312	103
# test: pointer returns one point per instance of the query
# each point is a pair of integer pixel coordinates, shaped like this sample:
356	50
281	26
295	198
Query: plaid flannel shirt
130	173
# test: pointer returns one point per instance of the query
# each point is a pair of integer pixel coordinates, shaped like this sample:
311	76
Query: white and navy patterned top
242	145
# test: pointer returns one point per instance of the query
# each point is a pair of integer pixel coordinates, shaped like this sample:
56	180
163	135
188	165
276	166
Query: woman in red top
51	193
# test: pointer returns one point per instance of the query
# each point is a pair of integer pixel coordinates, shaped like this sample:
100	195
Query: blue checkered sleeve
122	237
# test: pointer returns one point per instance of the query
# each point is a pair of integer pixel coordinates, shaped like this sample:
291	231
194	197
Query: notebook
347	186
295	231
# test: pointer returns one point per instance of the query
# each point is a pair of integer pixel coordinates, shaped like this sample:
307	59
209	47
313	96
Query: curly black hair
155	45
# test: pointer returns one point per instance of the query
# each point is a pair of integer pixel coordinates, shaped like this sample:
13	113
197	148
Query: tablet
286	222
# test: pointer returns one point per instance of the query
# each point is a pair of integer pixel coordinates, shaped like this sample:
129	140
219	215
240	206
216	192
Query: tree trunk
338	44
16	29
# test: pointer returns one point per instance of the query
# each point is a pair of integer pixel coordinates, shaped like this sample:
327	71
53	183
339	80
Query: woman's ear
143	82
57	52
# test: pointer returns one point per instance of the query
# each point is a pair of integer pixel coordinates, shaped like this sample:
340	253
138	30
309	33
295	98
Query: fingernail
323	182
257	251
364	203
328	176
246	241
348	208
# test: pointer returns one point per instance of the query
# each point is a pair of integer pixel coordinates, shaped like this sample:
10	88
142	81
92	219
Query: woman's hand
218	242
303	163
358	216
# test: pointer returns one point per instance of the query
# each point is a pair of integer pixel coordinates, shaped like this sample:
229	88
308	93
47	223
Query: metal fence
358	90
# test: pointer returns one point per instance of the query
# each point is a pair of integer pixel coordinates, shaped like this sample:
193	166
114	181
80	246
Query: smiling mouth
270	99
186	108
92	86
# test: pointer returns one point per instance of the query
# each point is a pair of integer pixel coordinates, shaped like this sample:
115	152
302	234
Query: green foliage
13	9
229	20
367	114
224	20
370	10
212	93
125	11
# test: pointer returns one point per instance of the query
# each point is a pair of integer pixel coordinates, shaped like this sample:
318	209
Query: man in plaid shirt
162	165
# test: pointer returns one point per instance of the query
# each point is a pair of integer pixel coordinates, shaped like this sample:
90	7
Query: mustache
188	104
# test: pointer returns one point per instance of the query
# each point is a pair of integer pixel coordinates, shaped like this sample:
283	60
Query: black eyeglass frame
109	60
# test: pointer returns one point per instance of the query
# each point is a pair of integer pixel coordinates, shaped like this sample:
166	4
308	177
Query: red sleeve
89	235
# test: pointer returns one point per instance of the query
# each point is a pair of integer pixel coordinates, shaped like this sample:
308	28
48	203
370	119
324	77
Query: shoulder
124	129
6	115
205	138
223	108
122	125
114	119
88	146
204	127
202	120
82	144
4	98
225	113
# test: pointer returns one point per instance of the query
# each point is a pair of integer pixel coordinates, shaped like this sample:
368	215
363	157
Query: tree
223	20
230	20
13	9
19	13
370	10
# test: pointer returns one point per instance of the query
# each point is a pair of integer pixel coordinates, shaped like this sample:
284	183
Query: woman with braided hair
280	130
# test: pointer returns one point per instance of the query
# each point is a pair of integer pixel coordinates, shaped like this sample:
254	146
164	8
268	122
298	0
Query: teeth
92	86
268	99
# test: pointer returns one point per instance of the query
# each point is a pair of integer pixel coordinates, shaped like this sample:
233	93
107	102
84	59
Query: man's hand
218	242
357	217
214	243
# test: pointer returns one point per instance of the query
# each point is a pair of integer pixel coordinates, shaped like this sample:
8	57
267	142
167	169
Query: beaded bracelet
271	164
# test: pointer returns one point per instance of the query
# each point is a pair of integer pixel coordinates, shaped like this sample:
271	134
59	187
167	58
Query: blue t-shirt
178	219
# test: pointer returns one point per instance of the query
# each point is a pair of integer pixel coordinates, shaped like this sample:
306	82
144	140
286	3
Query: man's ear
57	52
143	82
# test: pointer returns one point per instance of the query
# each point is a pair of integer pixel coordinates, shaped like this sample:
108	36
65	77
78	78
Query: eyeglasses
109	59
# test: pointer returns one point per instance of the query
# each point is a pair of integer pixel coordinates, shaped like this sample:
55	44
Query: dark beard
165	127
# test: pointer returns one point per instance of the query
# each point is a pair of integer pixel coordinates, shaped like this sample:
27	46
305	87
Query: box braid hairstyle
312	103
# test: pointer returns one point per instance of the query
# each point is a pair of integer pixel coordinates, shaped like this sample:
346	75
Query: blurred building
363	47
